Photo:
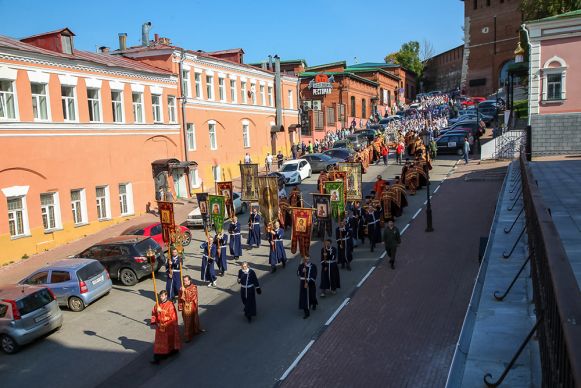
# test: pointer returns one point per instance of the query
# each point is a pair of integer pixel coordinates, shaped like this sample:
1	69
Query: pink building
554	77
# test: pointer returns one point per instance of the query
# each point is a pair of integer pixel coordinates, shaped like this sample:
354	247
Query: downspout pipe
526	31
184	100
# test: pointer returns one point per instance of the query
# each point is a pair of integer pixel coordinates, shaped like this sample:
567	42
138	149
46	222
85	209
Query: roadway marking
296	361
337	311
404	229
425	202
415	215
437	188
383	254
365	277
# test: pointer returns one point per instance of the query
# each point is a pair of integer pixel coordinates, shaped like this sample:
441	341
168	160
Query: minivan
26	313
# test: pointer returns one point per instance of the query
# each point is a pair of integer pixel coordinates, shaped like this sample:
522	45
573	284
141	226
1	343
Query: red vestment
167	332
188	305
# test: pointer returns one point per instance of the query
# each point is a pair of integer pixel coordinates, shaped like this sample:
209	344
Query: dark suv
125	257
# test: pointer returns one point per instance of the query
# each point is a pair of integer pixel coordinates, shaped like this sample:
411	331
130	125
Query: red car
477	100
154	231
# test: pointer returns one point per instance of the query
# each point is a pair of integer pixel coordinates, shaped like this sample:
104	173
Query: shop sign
322	84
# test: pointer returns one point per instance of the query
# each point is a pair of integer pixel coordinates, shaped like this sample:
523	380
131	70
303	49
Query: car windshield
90	271
34	301
290	167
325	157
143	245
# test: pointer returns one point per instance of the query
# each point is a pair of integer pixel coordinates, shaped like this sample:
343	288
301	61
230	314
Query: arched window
554	76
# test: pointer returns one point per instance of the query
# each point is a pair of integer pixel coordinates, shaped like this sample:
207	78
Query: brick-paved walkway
400	328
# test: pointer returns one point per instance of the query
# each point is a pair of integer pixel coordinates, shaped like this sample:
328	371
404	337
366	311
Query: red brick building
444	71
491	32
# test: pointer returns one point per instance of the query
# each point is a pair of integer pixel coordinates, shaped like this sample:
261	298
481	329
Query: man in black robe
249	287
307	273
330	278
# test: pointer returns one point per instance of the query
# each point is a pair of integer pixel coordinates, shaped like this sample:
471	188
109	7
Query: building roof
100	59
308	74
227	51
374	65
325	65
372	70
50	33
566	15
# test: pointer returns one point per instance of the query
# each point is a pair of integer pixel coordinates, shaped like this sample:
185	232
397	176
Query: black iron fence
556	293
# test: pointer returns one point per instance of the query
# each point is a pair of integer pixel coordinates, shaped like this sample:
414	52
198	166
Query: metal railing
556	292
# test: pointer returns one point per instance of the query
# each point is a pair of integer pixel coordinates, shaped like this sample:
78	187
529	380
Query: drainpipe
184	100
526	31
278	97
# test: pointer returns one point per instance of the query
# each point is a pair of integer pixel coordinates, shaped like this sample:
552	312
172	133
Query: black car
344	154
125	257
359	142
320	162
370	133
451	144
343	144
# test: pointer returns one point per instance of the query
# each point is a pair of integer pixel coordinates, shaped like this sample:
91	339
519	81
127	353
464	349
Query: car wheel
244	207
76	304
128	277
9	346
187	238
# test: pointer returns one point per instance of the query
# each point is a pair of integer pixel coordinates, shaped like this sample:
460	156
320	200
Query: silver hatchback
75	282
26	313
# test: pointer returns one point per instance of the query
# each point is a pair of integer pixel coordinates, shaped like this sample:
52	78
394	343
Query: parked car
194	217
76	283
343	144
471	116
320	162
124	257
344	154
358	141
370	133
155	232
295	171
451	144
477	100
26	313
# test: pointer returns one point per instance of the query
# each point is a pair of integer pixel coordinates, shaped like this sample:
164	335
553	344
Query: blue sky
319	31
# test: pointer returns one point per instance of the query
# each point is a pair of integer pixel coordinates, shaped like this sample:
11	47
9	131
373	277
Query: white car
295	171
195	216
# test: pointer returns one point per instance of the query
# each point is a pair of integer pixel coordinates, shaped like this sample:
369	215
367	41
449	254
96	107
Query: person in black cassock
307	273
249	287
344	245
330	279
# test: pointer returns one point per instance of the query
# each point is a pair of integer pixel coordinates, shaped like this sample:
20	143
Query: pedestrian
247	159
399	152
277	253
173	278
344	245
384	154
164	319
268	162
208	271
235	239
466	149
307	273
253	229
310	148
330	277
221	241
294	149
188	305
249	287
391	239
433	149
279	159
373	226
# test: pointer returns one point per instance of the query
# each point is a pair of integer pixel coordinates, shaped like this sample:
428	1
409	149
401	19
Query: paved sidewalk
400	328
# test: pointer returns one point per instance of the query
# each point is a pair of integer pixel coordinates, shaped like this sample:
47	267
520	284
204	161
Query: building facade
491	32
443	72
554	76
79	132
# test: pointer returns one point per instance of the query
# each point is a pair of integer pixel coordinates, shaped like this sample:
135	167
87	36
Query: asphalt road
110	343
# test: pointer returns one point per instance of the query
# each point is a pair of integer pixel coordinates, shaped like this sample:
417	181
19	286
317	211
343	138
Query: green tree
538	9
408	57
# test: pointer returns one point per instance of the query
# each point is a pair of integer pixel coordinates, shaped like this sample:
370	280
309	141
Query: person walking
254	229
384	154
330	277
399	152
277	253
249	287
173	278
279	159
391	240
188	305
307	273
466	149
268	162
247	159
209	253
164	319
235	239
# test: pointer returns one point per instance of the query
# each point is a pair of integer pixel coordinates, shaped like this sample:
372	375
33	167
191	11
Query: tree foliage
408	57
538	9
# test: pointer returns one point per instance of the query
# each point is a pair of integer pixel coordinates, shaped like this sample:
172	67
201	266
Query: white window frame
172	109
243	92
253	92
157	117
212	132
103	203
45	209
233	92
195	180
66	100
210	86
136	119
14	99
82	207
245	133
291	104
130	209
13	215
262	95
270	99
198	81
93	103
191	136
221	89
115	103
562	70
38	97
186	84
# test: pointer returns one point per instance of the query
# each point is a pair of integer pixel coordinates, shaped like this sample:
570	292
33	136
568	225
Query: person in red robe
167	333
188	305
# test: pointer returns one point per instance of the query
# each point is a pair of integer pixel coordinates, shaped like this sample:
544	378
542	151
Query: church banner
353	187
301	231
268	197
217	208
166	217
248	176
337	198
225	189
322	204
203	206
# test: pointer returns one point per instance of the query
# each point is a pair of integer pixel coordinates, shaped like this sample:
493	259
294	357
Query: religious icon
226	194
334	195
216	209
322	210
165	217
301	225
203	207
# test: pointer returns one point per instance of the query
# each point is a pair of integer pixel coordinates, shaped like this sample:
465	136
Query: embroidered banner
203	206
225	189
322	204
301	231
335	189
217	209
268	198
353	188
166	217
248	175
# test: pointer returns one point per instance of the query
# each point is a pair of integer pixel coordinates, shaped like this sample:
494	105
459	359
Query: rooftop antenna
355	60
